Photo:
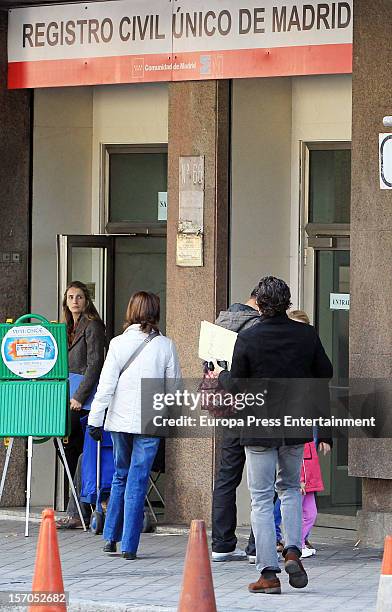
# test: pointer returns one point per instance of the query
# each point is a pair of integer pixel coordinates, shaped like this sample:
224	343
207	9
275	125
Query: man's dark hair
273	296
254	292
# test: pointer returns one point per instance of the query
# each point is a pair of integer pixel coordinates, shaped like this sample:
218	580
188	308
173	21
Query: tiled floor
340	576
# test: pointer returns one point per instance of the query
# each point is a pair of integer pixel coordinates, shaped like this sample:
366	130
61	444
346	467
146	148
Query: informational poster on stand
29	351
34	393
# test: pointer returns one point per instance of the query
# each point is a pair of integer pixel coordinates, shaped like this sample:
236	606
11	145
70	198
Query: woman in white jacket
152	356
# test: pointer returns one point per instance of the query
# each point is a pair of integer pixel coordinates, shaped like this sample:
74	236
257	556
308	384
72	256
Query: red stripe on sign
243	63
279	61
89	71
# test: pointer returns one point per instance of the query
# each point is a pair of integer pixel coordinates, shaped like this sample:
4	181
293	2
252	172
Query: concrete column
199	124
14	229
371	253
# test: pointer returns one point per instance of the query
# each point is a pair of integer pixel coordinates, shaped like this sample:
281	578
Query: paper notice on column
216	342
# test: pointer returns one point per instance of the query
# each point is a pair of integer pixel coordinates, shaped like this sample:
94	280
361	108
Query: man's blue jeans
133	458
262	466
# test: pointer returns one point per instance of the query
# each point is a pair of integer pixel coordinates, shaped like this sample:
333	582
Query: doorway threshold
337	521
19	513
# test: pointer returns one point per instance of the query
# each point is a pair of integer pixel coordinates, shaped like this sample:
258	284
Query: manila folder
216	342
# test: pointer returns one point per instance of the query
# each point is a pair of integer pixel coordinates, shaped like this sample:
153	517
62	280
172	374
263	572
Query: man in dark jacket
276	348
238	317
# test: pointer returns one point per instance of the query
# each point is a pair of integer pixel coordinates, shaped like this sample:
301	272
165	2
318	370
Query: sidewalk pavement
341	577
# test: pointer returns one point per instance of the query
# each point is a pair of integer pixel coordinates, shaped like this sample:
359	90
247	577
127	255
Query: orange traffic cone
197	586
48	578
384	597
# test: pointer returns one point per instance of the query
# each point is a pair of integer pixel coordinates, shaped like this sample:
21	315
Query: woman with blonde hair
140	352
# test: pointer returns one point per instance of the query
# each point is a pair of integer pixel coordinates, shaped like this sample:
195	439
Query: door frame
157	228
65	242
315	236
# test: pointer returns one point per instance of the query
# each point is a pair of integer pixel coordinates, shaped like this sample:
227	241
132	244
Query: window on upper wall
329	185
135	187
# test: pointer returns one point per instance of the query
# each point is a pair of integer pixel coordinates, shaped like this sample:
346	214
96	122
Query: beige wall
61	183
61	205
126	114
260	214
270	119
70	125
321	111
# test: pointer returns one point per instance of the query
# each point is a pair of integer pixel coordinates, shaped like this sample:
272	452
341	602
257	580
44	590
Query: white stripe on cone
384	597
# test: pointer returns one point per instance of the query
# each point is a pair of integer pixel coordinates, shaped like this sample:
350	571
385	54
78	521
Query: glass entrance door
113	268
88	259
343	494
139	264
326	292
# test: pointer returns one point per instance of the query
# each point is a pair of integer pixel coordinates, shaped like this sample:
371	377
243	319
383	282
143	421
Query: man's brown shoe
271	587
298	578
69	522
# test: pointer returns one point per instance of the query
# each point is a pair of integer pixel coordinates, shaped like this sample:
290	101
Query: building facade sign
132	41
385	160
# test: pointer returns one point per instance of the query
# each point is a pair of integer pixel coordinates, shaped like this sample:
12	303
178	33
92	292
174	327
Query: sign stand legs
28	488
5	469
62	453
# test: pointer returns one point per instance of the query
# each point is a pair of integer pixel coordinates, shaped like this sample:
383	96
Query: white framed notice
162	205
339	301
189	250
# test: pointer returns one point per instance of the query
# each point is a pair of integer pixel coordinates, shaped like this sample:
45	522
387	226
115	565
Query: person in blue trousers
152	356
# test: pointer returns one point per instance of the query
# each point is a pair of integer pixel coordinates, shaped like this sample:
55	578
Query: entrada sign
168	40
339	301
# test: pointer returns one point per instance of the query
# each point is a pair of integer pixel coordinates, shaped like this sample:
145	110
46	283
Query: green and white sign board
34	390
34	396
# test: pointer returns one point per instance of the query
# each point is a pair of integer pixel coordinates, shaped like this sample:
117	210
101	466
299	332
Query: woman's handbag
214	398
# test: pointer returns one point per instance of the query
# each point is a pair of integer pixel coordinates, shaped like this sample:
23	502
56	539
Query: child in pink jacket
311	478
311	481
